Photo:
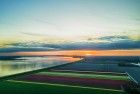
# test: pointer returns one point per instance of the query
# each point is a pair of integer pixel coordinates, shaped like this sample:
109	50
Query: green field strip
112	77
62	85
94	72
16	87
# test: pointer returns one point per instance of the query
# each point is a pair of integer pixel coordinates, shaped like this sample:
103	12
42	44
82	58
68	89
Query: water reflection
25	64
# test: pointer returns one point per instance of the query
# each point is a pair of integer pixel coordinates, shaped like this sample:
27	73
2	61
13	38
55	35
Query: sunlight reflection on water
25	64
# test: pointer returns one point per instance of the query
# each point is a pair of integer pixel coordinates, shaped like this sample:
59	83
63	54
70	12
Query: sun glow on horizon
135	52
88	54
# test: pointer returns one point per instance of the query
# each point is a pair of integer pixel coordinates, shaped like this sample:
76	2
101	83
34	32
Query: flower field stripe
90	82
62	85
112	77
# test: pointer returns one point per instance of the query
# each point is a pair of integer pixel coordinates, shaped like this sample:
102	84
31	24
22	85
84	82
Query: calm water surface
25	64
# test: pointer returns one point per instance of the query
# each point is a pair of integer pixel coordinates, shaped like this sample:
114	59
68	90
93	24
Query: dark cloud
24	49
114	38
103	46
113	42
109	38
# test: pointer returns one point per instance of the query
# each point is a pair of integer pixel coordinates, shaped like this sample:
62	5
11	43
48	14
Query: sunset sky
86	27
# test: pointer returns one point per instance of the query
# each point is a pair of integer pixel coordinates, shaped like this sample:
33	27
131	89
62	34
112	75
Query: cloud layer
108	43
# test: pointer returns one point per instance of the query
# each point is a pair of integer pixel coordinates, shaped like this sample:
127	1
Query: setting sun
88	54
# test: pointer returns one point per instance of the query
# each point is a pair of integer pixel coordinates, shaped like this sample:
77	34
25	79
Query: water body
24	64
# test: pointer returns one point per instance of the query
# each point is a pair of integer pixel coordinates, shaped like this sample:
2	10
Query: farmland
77	77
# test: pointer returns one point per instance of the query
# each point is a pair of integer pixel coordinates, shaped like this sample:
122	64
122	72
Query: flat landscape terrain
80	77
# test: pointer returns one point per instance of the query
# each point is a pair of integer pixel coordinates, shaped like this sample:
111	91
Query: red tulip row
90	82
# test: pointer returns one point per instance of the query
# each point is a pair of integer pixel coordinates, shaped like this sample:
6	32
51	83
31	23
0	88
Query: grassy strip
11	87
112	77
70	86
